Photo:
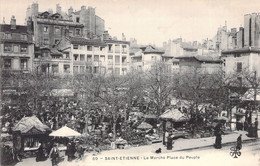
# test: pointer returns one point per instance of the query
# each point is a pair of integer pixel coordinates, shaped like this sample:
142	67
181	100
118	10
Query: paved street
146	155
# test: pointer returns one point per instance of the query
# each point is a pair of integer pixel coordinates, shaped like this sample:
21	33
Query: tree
159	85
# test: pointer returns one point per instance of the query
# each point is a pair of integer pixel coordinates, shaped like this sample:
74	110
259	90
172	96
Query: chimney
50	11
58	8
13	23
70	11
34	9
123	37
83	7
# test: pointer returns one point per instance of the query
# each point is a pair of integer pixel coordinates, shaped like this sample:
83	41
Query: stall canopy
174	115
62	93
249	95
150	116
145	125
221	118
65	132
31	125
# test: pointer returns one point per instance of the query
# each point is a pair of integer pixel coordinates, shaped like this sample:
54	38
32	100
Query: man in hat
54	155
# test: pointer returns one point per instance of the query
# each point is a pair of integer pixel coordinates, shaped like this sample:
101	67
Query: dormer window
77	31
45	29
77	19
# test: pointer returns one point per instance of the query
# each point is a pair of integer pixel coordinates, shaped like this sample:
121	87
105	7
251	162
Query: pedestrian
239	142
169	142
54	155
256	127
218	140
69	151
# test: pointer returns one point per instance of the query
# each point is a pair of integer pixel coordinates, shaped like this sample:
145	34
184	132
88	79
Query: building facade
144	58
237	60
203	64
16	56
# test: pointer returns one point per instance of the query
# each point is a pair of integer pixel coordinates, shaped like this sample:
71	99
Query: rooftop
7	28
150	49
84	41
202	58
242	50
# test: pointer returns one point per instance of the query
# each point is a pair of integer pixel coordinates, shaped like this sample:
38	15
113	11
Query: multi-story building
99	56
237	60
176	48
204	64
16	54
93	24
143	58
252	30
246	54
88	55
52	34
117	56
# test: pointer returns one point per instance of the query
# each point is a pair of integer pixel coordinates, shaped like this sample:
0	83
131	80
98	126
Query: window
239	79
45	29
7	63
70	32
239	66
23	49
124	60
75	47
77	31
24	64
55	68
24	37
96	58
89	48
117	48
117	60
67	55
57	30
102	48
7	47
124	71
237	55
110	59
45	41
82	57
102	58
8	36
56	41
96	48
82	69
76	57
77	19
16	48
110	48
66	68
75	69
89	58
124	49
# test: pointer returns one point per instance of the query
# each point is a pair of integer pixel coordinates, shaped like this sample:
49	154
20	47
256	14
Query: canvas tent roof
145	125
62	92
175	115
28	123
249	95
65	132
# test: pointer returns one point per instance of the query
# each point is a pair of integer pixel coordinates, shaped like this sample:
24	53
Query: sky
150	21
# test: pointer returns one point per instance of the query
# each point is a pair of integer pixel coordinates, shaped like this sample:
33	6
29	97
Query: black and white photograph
129	82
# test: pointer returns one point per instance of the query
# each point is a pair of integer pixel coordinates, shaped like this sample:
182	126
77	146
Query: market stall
29	133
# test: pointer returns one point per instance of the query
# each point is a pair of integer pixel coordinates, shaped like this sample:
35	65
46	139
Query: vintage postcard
130	82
